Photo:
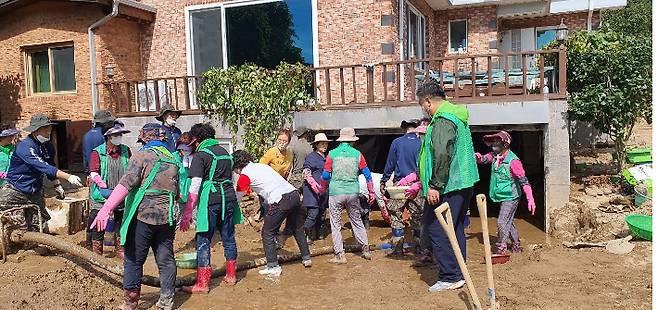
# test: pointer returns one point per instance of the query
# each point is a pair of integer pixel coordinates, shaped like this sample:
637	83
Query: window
515	61
458	32
416	34
51	70
264	32
544	37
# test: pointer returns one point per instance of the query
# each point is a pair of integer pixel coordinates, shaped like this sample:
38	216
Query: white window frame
420	33
537	29
450	51
231	4
28	51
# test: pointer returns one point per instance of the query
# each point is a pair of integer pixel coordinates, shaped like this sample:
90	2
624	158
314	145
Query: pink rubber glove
118	195
371	193
531	200
99	181
323	185
478	158
407	180
3	175
412	191
314	185
192	199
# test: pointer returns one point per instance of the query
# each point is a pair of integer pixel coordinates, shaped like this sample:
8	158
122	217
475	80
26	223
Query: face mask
281	146
497	149
116	140
171	122
42	139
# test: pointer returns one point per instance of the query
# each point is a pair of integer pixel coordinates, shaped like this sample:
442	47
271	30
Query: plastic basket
639	225
186	260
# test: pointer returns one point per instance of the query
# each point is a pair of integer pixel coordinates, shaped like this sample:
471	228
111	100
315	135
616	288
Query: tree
257	100
633	20
609	82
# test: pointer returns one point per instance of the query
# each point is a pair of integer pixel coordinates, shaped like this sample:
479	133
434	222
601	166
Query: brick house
367	57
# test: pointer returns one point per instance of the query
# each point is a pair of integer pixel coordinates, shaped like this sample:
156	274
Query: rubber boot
166	301
501	248
117	246
338	259
516	247
366	254
131	299
97	247
230	278
202	279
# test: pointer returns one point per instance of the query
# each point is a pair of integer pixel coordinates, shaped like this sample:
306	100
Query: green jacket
5	158
447	161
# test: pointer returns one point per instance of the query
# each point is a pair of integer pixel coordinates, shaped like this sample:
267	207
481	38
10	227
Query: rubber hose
116	268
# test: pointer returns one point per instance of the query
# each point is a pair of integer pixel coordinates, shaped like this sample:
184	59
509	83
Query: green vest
209	186
102	155
502	186
136	196
344	170
185	181
463	167
5	159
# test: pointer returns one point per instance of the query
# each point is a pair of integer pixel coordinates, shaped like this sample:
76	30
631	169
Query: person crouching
283	203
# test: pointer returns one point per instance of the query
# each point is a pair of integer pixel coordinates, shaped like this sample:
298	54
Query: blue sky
302	19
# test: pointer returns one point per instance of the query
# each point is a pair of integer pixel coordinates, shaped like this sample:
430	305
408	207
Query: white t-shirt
363	187
266	182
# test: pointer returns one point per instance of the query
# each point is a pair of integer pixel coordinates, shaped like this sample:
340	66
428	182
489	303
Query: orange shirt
279	162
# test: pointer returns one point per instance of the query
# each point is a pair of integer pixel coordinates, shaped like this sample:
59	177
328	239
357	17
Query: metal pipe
92	52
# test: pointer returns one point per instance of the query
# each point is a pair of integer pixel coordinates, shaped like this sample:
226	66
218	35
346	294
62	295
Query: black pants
99	235
289	209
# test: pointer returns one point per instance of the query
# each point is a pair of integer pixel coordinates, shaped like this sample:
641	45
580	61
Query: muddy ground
546	275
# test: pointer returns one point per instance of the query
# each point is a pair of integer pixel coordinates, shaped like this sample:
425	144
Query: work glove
192	199
371	193
315	187
385	215
412	177
75	180
323	186
478	158
96	178
3	175
531	200
412	191
118	195
59	191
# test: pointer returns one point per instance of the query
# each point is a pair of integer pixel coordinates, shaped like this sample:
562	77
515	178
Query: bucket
186	260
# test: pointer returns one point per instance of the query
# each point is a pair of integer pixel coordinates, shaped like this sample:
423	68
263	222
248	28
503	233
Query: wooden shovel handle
449	228
482	209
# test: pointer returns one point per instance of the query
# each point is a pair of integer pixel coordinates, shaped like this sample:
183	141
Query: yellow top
279	162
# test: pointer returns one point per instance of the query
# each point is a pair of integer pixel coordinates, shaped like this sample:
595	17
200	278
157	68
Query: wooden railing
523	76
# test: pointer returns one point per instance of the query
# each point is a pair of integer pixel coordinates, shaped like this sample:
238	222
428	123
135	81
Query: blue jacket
92	139
29	163
172	134
402	157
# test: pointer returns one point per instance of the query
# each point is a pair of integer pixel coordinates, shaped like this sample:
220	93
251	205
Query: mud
545	276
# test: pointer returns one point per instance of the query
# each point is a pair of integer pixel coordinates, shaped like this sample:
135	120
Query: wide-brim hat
347	135
9	132
502	135
37	121
103	116
320	137
167	108
300	131
412	123
117	128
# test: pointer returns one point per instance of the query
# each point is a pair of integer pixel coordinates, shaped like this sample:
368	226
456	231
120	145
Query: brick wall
52	23
479	33
573	21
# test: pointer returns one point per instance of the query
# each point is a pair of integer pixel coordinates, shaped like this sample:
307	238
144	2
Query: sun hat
167	107
37	121
103	116
501	135
347	134
320	137
117	128
9	132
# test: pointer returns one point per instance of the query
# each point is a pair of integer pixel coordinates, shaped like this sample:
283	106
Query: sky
302	19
